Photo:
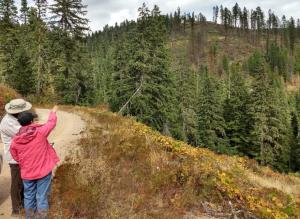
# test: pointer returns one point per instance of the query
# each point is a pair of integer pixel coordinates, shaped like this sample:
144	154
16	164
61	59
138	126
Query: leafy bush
6	95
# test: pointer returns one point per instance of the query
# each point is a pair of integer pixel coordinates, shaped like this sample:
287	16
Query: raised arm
50	125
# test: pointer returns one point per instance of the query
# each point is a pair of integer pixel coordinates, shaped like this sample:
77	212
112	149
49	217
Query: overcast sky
102	12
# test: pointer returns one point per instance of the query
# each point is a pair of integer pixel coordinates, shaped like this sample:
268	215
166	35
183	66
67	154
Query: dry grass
293	85
291	187
126	170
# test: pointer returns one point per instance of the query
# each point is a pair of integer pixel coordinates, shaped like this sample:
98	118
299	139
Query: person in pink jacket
37	158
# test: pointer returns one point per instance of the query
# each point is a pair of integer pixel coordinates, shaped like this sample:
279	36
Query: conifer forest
230	82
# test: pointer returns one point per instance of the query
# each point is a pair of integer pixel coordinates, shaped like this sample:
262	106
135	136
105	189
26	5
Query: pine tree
186	86
24	11
297	63
260	19
245	19
295	149
227	20
102	68
22	79
215	14
41	6
278	59
257	106
143	85
236	10
211	124
270	131
256	64
292	34
234	112
72	74
280	124
69	16
222	14
8	37
284	32
39	38
8	13
298	28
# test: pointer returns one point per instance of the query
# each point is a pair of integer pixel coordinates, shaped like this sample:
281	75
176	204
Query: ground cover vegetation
124	169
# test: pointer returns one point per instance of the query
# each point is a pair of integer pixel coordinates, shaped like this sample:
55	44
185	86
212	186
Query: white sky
102	12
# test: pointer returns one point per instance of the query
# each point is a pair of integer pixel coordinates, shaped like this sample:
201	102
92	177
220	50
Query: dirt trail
65	135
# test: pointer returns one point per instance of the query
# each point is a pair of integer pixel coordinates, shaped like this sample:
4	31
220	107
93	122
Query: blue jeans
36	194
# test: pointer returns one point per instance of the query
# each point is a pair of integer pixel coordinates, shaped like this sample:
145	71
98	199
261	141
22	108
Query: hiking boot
15	214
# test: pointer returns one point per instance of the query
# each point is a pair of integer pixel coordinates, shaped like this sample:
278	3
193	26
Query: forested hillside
221	84
229	85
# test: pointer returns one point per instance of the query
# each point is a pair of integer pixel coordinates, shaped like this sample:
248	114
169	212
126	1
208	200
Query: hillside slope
124	169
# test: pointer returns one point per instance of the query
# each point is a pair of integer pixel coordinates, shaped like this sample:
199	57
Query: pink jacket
31	149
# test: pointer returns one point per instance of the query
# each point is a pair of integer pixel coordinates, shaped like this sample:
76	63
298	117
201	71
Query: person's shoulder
4	120
5	117
9	120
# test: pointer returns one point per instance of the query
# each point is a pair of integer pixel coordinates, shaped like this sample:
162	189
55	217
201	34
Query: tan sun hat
17	106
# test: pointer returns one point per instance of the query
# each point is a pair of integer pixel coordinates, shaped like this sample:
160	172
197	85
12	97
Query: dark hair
15	115
25	118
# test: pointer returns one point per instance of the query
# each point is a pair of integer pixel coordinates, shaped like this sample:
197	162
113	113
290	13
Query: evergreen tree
255	64
297	63
260	19
211	124
186	85
298	28
278	59
222	14
8	13
143	85
215	14
245	19
40	45
69	16
41	6
8	37
72	66
236	10
22	79
102	68
235	109
284	32
295	149
269	140
292	34
24	11
257	106
227	20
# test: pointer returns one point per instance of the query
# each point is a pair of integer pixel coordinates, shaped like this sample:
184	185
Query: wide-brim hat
17	106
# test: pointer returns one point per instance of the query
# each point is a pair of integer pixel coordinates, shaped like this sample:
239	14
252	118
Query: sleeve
50	125
10	128
14	152
14	129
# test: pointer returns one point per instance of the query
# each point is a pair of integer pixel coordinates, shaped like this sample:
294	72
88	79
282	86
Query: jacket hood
26	134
